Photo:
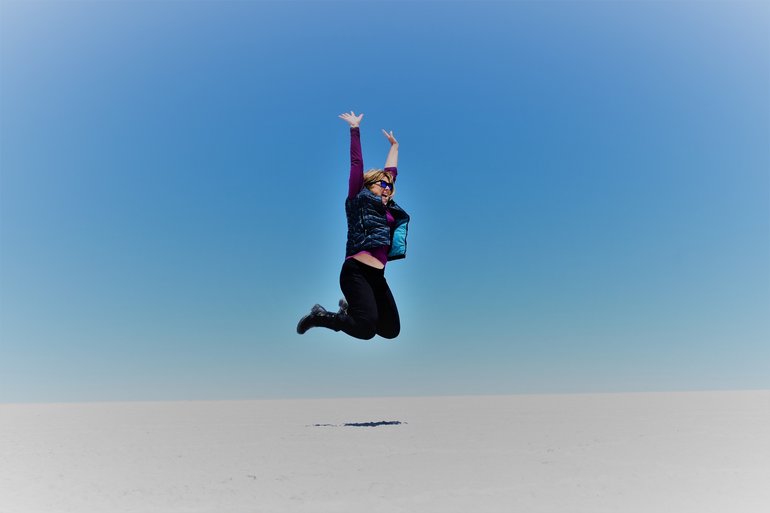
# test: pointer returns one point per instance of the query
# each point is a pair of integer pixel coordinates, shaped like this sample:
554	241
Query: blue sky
588	183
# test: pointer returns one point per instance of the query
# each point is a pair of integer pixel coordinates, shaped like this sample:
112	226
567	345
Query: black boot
343	307
318	317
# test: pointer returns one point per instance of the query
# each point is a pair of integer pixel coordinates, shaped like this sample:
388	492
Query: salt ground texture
652	453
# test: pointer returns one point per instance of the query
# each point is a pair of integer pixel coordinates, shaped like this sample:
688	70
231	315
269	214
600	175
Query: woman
377	229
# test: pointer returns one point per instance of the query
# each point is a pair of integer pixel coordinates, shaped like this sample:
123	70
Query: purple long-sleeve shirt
356	183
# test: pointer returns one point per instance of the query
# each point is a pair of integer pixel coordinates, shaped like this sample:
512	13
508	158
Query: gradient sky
589	186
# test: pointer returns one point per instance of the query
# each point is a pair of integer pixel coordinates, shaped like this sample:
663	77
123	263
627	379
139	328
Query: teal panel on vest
398	245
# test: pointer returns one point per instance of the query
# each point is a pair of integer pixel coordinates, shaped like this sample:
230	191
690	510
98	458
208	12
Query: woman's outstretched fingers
352	118
390	136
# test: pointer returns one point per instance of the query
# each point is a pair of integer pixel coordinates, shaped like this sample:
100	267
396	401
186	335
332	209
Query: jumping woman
377	229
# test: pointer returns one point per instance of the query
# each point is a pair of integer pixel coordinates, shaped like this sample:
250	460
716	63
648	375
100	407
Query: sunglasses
384	184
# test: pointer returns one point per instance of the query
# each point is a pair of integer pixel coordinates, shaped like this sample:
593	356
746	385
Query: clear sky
589	186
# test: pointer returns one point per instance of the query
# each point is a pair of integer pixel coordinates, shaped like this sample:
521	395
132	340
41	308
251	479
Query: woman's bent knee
365	331
366	335
390	334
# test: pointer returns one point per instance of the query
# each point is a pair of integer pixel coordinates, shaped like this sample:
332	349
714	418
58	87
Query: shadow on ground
364	424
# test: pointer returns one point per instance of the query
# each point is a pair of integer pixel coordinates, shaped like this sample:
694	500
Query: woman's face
382	188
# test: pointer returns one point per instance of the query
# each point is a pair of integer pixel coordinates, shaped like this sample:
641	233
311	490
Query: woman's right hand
352	119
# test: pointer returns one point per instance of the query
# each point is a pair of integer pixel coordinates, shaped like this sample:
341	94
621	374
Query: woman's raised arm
356	181
392	160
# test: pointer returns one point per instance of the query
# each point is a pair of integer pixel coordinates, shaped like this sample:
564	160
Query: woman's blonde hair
375	175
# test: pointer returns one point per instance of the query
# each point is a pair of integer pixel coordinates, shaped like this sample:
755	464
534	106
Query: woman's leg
356	281
371	308
388	321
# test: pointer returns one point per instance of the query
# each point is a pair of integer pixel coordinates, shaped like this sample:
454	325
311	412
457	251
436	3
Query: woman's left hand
390	137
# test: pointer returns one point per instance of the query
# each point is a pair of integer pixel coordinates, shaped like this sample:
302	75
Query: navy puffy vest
368	225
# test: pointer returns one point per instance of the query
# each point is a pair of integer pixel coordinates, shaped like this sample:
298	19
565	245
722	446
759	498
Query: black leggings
371	307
